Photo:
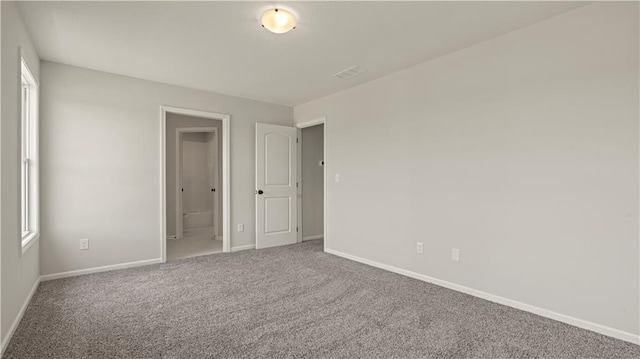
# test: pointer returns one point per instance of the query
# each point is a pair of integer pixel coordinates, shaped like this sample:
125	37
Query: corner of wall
19	274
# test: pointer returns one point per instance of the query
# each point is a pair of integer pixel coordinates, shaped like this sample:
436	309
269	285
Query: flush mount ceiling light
278	21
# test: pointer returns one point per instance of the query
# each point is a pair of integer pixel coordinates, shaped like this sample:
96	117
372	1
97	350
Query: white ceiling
221	47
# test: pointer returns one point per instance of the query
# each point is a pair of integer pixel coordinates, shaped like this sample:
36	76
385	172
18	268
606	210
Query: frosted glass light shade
278	21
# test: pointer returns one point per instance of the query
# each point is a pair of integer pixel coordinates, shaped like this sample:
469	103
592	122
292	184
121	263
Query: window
29	189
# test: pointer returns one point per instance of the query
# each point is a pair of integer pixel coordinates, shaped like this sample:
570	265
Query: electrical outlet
419	247
455	254
337	177
84	244
240	227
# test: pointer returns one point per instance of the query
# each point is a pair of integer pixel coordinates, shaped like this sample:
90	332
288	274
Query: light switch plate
455	254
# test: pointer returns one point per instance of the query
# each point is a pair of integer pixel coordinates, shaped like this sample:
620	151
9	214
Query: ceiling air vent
350	72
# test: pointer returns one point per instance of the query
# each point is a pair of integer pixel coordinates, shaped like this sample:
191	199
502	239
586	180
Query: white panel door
276	214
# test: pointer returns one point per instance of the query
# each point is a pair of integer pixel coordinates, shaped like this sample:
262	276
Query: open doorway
197	207
311	175
195	200
285	186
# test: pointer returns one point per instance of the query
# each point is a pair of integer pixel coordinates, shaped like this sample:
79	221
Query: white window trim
30	237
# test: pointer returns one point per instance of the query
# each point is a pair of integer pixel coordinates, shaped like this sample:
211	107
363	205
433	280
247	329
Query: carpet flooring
288	302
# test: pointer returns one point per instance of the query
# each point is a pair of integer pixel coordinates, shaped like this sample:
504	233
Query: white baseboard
16	322
99	269
580	323
310	238
243	248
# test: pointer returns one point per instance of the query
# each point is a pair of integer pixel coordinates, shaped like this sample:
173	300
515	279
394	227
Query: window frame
29	165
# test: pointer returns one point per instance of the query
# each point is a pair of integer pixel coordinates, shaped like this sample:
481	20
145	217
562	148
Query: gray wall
312	181
174	121
100	146
521	151
19	273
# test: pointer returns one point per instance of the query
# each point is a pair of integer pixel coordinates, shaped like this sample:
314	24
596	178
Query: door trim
179	206
226	174
300	126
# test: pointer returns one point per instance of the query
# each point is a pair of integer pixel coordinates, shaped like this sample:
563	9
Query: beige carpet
288	302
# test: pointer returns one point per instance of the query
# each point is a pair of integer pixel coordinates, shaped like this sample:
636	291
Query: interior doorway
197	206
195	183
312	178
276	185
311	186
280	190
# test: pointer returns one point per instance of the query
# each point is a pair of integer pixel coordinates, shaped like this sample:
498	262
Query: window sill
28	241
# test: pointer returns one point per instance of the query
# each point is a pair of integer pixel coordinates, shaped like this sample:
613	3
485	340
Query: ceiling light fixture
278	21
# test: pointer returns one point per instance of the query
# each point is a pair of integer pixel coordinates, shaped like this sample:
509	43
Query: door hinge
296	229
296	139
296	184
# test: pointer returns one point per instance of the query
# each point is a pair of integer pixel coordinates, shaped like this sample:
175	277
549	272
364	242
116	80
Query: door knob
260	191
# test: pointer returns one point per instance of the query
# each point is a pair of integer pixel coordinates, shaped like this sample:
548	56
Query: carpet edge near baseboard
567	319
7	338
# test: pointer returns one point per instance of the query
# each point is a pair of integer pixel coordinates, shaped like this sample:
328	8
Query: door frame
226	174
179	206
300	126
